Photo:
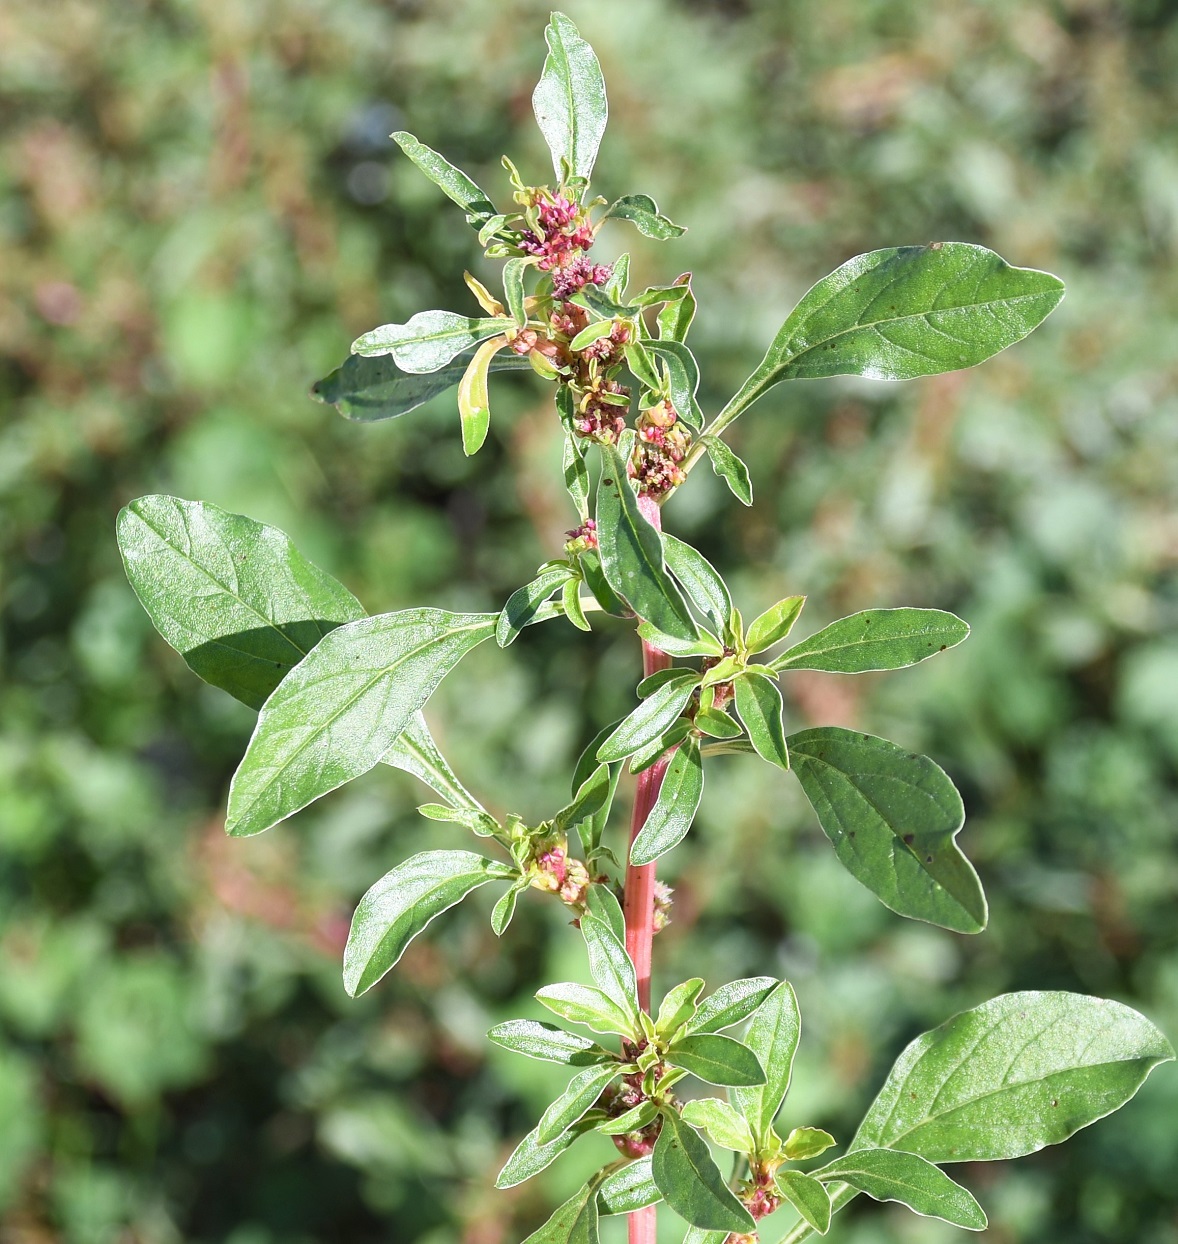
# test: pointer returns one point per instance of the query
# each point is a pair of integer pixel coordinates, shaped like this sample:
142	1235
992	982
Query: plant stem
638	899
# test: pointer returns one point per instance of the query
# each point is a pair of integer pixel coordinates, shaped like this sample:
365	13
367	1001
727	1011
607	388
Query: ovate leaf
691	1184
653	715
677	1008
524	604
804	1143
876	639
808	1197
453	182
773	1038
338	713
731	1003
774	624
716	1059
415	752
233	596
706	590
1019	1072
893	817
582	1091
548	1043
628	1189
575	1222
402	903
758	701
569	100
675	808
886	1175
642	211
428	340
723	1125
730	468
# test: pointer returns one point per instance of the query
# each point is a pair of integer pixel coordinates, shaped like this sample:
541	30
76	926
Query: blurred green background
199	208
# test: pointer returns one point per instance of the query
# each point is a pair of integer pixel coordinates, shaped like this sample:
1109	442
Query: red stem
638	900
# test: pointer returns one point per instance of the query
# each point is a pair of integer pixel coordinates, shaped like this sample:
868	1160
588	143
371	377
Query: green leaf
605	596
705	645
893	817
642	366
601	902
513	289
548	1043
678	1006
877	639
685	1174
570	600
633	1120
886	1175
906	311
367	390
773	1038
631	1188
655	751
583	1090
675	808
592	332
696	1235
615	287
453	182
416	753
474	402
340	710
804	1143
682	379
402	903
531	1157
706	590
576	473
758	701
474	819
524	603
583	1004
575	1222
723	1125
717	723
731	1003
716	1059
234	597
428	340
591	797
611	967
642	212
651	718
631	552
569	100
730	468
675	316
504	909
1019	1072
774	624
808	1197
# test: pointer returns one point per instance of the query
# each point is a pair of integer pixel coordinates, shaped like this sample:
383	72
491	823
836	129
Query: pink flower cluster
662	445
599	419
560	244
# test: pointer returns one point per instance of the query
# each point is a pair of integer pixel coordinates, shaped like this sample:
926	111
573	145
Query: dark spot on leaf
928	859
1054	1102
851	834
944	646
912	1095
607	481
909	838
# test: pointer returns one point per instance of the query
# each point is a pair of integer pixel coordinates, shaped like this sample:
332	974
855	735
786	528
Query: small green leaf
893	817
504	909
513	289
1019	1072
474	401
691	1185
705	645
723	1125
402	903
590	798
569	100
731	1003
611	967
474	819
717	723
592	332
576	473
678	1006
631	551
570	600
774	624
575	1222
583	1004
233	596
631	1188
773	1038
415	752
524	603
758	701
657	750
682	379
877	639
548	1043
531	1157
601	902
808	1197
339	711
453	182
428	340
642	212
886	1175
716	1059
642	366
675	808
651	718
804	1143
632	1120
583	1090
615	287
605	596
675	316
730	468
706	590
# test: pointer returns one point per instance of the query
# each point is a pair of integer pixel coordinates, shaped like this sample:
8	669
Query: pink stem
638	900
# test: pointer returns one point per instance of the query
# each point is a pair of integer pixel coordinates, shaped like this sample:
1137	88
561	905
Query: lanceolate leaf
893	817
631	553
575	1222
474	402
338	713
367	390
652	716
402	903
612	968
591	797
233	596
906	311
569	100
415	752
428	340
582	1091
548	1043
642	211
676	806
583	1004
682	377
524	604
677	1008
629	1189
730	468
600	902
877	639
731	1003
716	1059
1019	1072
503	912
774	624
886	1175
758	702
706	590
513	289
808	1197
691	1185
675	317
453	182
531	1157
773	1038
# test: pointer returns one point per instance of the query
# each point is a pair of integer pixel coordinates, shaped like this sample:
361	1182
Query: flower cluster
559	240
662	445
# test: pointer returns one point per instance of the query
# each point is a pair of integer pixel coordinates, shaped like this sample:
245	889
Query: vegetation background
199	208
